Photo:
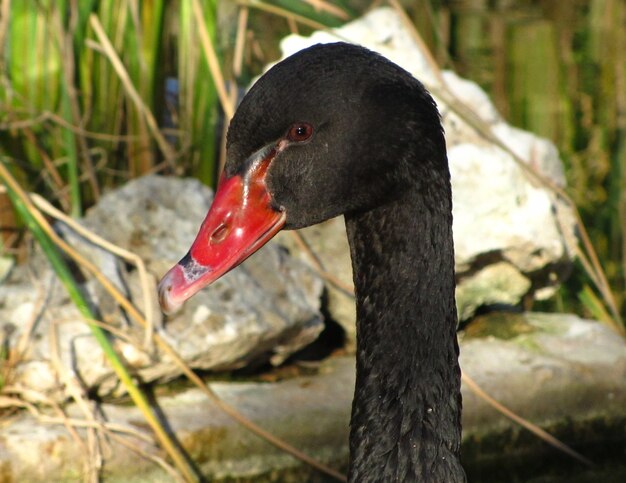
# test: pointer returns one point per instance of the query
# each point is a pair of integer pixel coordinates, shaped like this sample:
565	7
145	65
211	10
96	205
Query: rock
328	242
496	284
264	310
559	371
546	367
381	30
513	237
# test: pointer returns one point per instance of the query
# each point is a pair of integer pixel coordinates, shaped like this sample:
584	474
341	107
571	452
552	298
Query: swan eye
300	132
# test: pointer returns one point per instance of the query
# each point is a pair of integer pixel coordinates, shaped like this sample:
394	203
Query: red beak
240	221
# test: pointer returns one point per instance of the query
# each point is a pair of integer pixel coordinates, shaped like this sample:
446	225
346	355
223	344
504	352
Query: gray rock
264	310
499	283
563	373
329	244
546	367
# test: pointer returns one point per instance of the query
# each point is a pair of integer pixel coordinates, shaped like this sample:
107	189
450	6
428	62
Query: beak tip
167	302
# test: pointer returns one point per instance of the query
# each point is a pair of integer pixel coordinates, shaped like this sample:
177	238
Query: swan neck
405	422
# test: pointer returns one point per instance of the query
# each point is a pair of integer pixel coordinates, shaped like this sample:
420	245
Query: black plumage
376	155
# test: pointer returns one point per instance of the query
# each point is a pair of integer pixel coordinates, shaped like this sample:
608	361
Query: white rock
472	96
382	30
496	210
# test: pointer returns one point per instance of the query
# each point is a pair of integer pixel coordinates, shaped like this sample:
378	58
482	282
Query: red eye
300	132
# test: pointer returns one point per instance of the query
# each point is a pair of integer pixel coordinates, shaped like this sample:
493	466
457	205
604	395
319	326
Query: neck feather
406	413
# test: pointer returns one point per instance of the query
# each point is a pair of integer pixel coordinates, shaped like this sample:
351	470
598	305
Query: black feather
377	156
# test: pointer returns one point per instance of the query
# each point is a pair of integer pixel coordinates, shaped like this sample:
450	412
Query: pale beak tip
168	305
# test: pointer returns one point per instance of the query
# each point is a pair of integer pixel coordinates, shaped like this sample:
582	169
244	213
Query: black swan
336	129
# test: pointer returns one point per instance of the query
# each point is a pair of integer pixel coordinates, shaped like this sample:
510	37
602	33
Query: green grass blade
73	176
596	308
32	72
197	93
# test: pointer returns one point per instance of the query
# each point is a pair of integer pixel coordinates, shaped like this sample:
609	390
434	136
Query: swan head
331	130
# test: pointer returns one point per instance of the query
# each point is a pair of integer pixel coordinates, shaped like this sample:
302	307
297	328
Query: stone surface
264	310
328	243
498	283
547	366
566	374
